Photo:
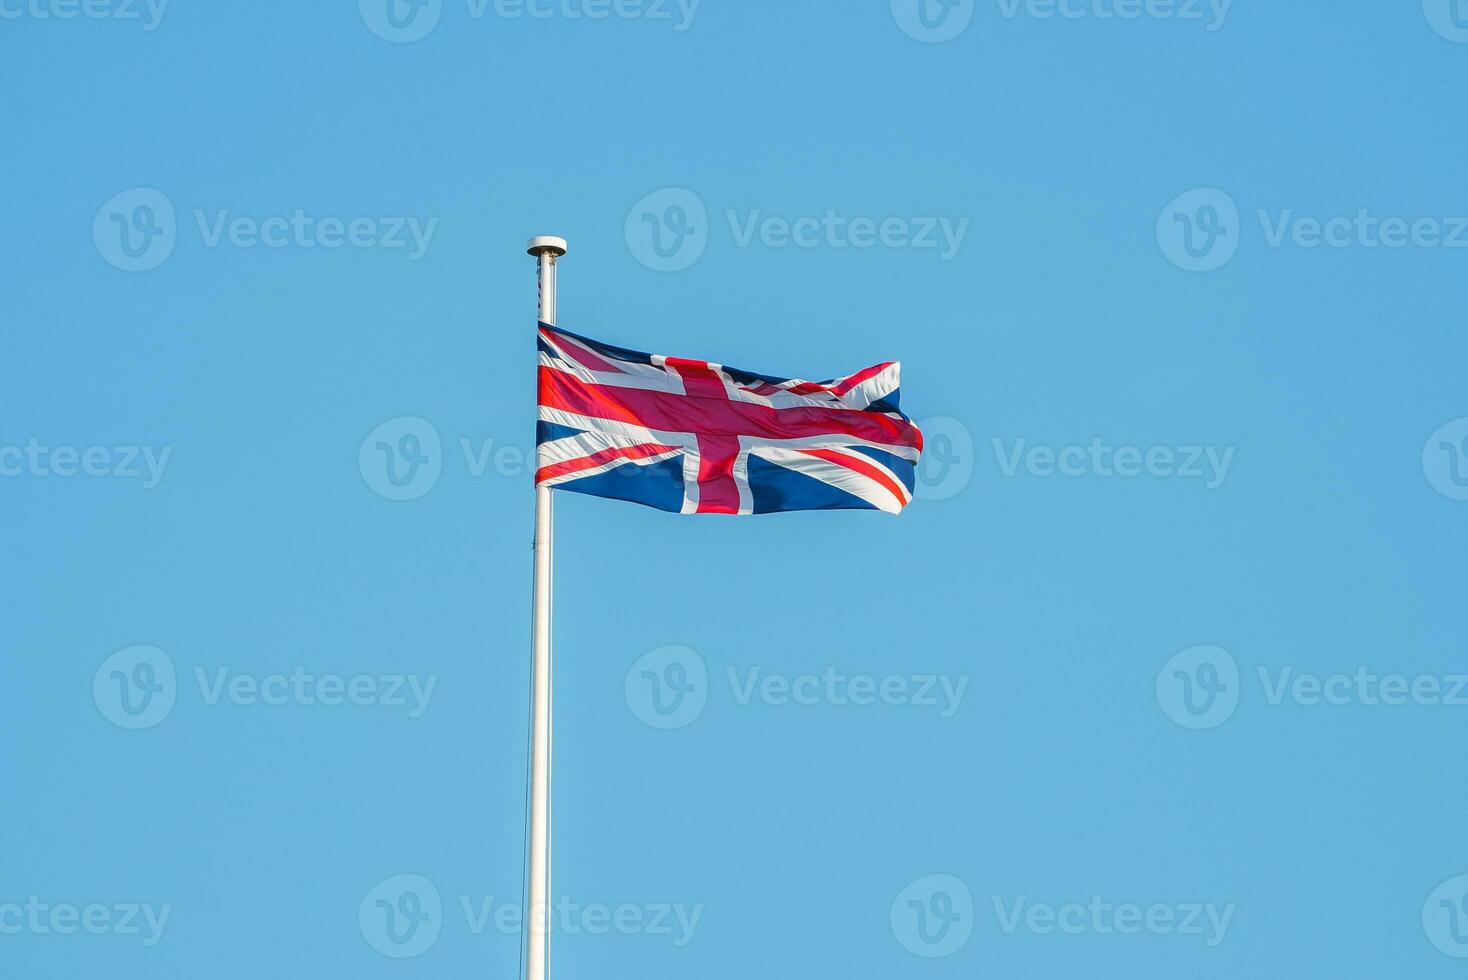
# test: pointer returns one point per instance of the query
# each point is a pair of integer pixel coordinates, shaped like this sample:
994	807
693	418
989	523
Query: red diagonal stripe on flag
580	353
598	458
863	467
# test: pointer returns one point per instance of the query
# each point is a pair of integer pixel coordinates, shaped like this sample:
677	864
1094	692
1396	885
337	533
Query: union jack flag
694	437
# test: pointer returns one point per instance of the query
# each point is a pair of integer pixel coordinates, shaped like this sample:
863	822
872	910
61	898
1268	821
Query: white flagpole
547	250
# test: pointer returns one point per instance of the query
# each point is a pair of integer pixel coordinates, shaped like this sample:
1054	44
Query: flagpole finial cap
547	243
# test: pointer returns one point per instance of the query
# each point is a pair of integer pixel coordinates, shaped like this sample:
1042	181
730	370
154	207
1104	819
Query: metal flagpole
547	250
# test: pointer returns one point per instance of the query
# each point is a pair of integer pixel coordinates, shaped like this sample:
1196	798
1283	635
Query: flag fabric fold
695	437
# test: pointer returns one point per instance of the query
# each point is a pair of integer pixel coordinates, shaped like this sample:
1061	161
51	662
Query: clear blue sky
188	469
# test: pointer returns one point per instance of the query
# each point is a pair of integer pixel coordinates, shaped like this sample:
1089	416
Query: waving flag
695	437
